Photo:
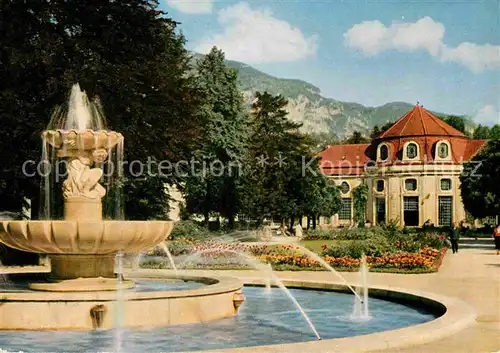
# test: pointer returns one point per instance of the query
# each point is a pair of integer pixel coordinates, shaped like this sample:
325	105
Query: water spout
119	306
325	264
269	277
97	313
296	303
164	247
79	113
136	264
360	308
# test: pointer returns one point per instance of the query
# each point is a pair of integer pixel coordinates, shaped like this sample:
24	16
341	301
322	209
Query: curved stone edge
457	316
76	311
215	285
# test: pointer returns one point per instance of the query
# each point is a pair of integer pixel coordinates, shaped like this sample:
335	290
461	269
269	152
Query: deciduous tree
480	188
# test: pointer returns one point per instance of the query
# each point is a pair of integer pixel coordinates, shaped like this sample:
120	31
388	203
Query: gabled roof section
420	122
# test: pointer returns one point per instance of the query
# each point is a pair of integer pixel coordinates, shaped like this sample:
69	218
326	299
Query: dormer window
443	150
383	152
412	150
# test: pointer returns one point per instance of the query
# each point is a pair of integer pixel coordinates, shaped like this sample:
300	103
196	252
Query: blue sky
444	54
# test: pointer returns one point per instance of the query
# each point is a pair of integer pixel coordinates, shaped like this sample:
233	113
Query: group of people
454	236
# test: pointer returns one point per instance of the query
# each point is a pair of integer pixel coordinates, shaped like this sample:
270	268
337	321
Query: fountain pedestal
82	209
82	266
82	273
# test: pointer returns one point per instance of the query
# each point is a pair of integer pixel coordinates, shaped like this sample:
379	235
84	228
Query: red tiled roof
419	126
420	122
473	148
351	159
344	159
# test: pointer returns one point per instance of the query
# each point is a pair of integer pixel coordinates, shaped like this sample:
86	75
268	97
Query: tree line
133	58
167	105
277	175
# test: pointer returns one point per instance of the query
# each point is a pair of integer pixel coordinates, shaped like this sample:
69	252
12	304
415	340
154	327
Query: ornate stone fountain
83	246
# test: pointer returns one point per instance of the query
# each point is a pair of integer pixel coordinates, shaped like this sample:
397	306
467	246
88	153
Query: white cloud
487	115
474	56
191	6
256	36
373	37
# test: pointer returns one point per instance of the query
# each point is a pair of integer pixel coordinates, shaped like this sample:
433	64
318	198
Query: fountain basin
83	248
269	322
31	310
83	237
82	140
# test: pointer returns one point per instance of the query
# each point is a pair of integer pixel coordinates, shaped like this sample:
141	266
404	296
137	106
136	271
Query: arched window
412	150
344	187
384	152
380	185
443	150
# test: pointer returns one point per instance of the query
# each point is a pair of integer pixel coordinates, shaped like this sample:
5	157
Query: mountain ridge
319	115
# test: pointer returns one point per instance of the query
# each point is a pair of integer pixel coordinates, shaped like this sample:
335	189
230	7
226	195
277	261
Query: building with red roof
412	172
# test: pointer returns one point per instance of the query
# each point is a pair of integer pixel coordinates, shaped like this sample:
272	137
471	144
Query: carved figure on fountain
83	181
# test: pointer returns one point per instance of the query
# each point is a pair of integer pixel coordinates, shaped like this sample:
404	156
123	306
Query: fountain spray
164	247
360	308
253	262
119	305
325	264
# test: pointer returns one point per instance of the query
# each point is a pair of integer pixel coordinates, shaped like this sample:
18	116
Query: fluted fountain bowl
85	140
82	252
83	237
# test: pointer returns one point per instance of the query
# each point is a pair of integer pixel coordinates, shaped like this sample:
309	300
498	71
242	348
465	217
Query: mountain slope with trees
321	116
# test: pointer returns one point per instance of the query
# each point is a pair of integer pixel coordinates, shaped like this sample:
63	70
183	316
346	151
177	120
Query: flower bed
213	255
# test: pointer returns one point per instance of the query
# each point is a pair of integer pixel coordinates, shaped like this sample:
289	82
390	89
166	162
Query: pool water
267	317
141	285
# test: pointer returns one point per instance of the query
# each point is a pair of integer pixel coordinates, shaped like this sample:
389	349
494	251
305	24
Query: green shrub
373	246
177	248
378	246
188	229
356	234
409	246
321	234
434	240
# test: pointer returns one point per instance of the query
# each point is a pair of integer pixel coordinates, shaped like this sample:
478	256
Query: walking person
454	236
496	236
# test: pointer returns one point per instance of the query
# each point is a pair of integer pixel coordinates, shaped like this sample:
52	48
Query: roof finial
418	103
